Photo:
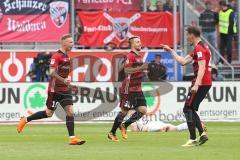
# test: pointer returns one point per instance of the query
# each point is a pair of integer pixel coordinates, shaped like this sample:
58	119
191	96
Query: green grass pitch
49	142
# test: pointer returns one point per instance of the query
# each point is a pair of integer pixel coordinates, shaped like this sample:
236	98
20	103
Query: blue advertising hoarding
168	61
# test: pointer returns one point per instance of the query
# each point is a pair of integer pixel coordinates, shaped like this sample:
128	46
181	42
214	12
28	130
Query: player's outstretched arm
182	60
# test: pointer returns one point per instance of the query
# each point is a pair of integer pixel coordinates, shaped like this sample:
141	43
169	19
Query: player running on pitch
58	90
131	91
201	83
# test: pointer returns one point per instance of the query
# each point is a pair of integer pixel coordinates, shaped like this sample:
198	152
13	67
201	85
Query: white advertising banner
221	104
100	101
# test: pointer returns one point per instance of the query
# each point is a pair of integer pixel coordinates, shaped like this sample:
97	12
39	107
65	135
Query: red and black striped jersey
132	82
202	52
61	62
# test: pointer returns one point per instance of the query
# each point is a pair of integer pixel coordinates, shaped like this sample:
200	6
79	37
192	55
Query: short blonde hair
66	36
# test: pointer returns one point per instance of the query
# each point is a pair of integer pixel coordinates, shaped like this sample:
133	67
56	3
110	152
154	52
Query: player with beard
58	90
201	83
131	92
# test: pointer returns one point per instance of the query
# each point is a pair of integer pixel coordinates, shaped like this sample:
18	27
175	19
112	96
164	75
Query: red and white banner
86	67
101	28
113	5
33	21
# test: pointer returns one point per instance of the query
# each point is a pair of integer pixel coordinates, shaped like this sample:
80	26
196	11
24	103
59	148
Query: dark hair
194	30
158	55
131	38
65	36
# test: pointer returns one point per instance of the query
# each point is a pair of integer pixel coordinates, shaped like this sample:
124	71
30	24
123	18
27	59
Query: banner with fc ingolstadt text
100	101
102	28
34	20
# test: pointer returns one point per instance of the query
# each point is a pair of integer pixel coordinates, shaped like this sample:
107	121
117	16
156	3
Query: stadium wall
91	65
99	101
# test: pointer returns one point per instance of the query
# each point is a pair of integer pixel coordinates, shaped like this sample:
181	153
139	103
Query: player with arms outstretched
201	83
58	90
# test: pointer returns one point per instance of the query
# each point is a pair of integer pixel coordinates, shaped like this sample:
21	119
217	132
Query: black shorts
194	99
54	99
132	100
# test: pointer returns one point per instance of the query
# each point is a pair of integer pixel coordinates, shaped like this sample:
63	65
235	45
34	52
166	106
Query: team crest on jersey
59	12
199	54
